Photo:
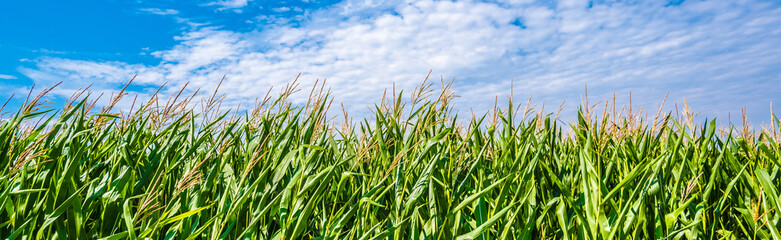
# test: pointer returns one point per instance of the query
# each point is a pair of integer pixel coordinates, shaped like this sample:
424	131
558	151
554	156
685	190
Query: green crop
411	170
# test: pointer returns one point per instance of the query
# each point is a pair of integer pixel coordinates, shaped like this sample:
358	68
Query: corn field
183	168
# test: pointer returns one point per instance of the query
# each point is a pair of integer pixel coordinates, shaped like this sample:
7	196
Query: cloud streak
718	54
158	11
235	5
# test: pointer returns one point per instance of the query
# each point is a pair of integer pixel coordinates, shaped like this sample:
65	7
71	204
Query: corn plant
413	169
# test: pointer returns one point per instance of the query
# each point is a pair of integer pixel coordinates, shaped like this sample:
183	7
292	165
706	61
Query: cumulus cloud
721	55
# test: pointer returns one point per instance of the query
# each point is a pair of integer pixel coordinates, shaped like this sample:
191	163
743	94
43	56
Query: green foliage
409	171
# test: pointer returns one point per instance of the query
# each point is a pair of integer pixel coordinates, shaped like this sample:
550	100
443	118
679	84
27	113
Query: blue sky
720	55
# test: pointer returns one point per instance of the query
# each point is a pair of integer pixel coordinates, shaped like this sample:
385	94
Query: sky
721	56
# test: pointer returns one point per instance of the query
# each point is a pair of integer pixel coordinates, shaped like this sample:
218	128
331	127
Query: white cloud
3	76
158	11
229	4
516	2
281	9
104	77
565	4
721	55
